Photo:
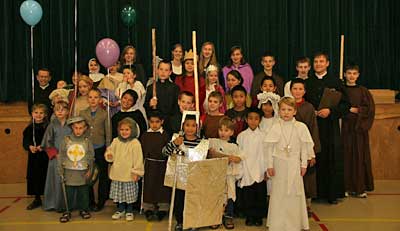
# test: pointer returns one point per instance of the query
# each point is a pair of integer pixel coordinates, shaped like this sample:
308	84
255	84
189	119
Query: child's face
79	128
164	71
225	133
268	63
298	90
236	57
43	77
61	113
114	68
125	131
130	55
75	78
267	109
186	103
38	115
129	75
93	99
83	88
207	51
177	53
351	76
232	81
321	64
189	66
214	104
93	67
286	112
239	98
57	98
155	123
268	86
190	127
61	84
303	69
212	77
127	102
253	120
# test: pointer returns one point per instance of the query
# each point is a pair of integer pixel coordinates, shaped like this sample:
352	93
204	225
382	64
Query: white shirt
251	144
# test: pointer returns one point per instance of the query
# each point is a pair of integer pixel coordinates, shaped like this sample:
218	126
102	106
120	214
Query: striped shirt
170	147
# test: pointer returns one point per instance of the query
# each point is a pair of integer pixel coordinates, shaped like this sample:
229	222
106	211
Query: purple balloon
107	52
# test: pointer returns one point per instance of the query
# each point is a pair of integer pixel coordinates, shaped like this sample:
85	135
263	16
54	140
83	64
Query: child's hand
303	171
234	159
354	110
324	112
312	162
135	177
153	102
178	141
39	149
32	148
109	156
266	176
87	175
271	171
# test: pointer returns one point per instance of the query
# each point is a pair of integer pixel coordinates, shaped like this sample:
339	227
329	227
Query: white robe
252	147
287	206
265	126
234	170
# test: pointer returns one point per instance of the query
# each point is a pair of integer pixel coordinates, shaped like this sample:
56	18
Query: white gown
289	144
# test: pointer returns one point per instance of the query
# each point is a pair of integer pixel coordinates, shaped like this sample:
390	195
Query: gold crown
188	55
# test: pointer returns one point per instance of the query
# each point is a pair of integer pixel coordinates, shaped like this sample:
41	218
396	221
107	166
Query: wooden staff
153	43
196	77
341	56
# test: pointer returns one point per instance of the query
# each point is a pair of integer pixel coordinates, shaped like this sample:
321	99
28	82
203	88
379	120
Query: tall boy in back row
330	169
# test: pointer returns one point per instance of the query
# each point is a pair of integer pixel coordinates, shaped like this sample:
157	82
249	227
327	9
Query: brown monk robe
156	196
305	113
357	157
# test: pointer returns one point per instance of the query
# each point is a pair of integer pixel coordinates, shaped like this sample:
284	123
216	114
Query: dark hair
297	80
267	78
132	93
235	74
44	69
165	62
233	49
238	88
154	114
130	67
352	66
176	46
320	53
303	60
187	93
254	110
189	117
267	54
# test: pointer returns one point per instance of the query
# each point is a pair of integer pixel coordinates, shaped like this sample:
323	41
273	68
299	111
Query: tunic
330	163
306	113
357	156
155	164
239	117
210	125
289	145
37	162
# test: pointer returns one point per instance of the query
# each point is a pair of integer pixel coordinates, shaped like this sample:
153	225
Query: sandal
228	223
84	214
65	217
214	226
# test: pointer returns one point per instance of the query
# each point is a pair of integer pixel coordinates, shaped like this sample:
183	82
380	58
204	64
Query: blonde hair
40	106
213	58
87	80
124	51
288	101
61	104
227	122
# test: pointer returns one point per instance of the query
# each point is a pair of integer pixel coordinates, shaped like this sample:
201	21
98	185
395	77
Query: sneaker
178	227
362	195
118	215
129	217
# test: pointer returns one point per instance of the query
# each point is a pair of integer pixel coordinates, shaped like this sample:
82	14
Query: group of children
283	151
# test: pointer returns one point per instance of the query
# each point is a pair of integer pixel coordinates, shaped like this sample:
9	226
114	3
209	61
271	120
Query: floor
380	211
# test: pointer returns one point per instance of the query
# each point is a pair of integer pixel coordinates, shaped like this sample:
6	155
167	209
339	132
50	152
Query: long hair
233	49
124	51
212	61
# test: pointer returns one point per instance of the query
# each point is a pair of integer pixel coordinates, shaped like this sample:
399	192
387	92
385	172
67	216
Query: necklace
286	147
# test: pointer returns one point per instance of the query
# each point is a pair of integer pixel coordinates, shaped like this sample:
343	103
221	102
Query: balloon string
129	36
75	56
108	100
33	87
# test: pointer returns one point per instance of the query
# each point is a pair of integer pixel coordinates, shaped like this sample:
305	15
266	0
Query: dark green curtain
287	28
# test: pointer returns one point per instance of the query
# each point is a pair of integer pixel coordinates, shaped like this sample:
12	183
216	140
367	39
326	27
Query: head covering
271	97
188	55
60	92
96	76
75	119
211	68
98	65
135	132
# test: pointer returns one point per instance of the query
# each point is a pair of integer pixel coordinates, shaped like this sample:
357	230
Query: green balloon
128	15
